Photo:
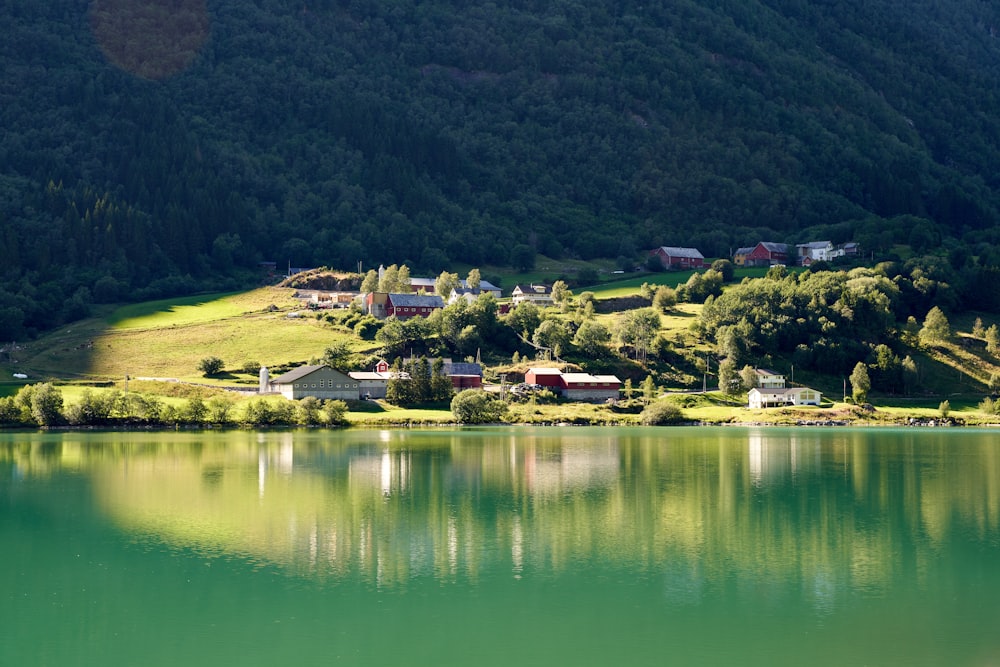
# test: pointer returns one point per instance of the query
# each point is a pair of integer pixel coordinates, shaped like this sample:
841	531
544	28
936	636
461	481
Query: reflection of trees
820	510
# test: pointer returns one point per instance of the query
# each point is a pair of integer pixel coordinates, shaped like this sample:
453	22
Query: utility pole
704	376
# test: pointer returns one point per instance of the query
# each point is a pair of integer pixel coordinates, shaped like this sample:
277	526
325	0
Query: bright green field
196	309
169	338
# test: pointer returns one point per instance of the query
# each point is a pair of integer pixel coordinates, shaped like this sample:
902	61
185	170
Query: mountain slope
164	151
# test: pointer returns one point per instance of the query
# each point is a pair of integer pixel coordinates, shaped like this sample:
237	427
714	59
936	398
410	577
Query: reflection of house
575	386
537	294
679	258
779	396
319	381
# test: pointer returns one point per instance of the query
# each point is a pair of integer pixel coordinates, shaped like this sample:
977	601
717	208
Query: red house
679	258
766	253
405	306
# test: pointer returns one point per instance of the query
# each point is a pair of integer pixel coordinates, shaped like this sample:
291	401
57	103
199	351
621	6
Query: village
769	389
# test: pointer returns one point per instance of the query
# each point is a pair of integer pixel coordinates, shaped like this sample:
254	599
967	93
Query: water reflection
822	514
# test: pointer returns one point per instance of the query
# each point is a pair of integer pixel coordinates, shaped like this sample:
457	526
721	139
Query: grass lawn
370	413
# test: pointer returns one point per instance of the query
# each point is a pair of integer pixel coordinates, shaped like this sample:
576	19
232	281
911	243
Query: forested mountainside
153	146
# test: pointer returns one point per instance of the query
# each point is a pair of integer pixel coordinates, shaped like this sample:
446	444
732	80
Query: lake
501	546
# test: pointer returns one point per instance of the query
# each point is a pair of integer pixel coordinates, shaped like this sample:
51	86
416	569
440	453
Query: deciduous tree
860	383
936	328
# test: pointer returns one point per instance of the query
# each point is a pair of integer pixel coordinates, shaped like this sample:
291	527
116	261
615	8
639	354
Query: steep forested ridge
138	158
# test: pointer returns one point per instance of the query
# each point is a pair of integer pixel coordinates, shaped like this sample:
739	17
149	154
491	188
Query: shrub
336	412
661	413
251	367
475	406
210	365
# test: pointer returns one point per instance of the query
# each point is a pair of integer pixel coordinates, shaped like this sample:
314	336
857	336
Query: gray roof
774	247
416	300
533	288
368	375
484	285
744	251
814	244
674	251
296	373
462	368
779	391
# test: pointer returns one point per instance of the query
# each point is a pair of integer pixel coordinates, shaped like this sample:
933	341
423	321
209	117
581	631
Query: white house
781	396
815	251
768	379
534	293
371	384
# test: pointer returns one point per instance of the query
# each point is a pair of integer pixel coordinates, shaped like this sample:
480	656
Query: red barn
546	377
679	258
766	253
405	306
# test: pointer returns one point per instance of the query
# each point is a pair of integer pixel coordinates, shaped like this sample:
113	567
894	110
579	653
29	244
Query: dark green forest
157	147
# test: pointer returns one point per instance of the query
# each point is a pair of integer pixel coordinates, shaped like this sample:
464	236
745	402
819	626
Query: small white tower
265	380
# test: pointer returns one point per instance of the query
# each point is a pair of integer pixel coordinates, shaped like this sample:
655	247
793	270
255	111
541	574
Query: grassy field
169	338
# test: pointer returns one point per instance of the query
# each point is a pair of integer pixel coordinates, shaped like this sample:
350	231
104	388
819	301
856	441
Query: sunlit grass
169	338
185	311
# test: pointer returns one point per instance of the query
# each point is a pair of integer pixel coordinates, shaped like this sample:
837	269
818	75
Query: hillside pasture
169	338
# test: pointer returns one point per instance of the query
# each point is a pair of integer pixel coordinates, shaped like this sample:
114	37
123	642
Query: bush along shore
44	406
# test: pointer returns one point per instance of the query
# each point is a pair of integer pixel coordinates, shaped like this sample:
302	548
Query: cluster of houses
323	382
421	299
765	253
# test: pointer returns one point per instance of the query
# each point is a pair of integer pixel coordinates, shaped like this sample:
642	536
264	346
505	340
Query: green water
699	546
